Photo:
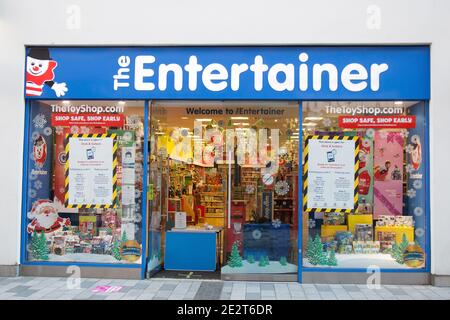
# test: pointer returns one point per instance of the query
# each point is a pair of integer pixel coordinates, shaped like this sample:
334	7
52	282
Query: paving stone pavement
44	288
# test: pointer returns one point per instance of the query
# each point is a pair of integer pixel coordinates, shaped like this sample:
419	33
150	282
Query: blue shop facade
292	163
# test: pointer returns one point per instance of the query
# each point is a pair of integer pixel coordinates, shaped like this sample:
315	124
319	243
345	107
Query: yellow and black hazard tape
305	173
114	167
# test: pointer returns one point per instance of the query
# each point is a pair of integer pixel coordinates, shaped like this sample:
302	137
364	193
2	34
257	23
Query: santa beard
46	221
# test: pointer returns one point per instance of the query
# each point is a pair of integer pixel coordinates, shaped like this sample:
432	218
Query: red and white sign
353	122
97	120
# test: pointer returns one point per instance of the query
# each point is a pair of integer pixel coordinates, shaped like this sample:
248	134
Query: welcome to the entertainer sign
241	73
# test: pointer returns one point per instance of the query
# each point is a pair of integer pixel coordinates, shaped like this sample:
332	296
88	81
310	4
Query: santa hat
39	53
37	206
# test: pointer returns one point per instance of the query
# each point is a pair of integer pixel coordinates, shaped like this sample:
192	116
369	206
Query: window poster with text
91	171
330	173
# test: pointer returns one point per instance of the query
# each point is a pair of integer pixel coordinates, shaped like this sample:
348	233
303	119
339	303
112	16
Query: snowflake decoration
32	177
48	131
40	121
281	188
311	223
184	132
418	211
409	148
370	133
84	130
37	185
419	232
417	184
250	189
411	193
404	133
326	122
276	223
59	130
74	130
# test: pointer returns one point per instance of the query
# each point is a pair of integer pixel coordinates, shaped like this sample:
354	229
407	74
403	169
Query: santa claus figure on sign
40	71
44	218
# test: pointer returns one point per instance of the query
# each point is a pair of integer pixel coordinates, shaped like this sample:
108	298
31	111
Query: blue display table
191	250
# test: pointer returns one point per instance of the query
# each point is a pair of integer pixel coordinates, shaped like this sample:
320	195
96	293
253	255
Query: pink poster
388	173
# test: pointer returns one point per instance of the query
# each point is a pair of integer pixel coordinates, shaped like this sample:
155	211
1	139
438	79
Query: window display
364	202
85	181
230	168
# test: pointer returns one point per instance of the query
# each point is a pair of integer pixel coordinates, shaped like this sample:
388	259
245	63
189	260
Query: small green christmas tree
235	258
124	238
262	261
39	249
266	260
315	252
250	259
283	261
332	261
398	249
116	250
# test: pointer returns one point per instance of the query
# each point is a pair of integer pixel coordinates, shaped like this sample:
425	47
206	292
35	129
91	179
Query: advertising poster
388	173
365	186
330	172
90	170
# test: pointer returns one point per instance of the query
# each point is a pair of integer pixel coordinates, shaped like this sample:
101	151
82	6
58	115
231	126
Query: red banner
353	122
92	120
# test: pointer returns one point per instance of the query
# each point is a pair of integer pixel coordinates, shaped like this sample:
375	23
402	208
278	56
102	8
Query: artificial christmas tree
332	261
39	249
283	261
315	252
116	250
250	259
235	259
262	262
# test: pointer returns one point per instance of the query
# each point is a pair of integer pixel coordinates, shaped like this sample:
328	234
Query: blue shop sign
338	73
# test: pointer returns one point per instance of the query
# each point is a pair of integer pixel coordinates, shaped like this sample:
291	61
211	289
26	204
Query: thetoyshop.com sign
353	122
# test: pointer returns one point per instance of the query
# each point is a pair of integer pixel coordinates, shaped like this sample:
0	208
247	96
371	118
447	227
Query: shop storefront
302	164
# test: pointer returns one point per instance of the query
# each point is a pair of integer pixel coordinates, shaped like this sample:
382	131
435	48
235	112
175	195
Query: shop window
231	167
84	181
364	184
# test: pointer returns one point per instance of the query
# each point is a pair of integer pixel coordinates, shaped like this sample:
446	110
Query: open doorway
223	189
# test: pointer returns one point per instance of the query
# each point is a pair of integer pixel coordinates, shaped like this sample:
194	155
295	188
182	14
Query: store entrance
223	190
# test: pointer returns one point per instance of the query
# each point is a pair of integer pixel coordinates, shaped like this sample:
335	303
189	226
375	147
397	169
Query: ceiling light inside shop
239	118
313	118
309	124
66	102
241	124
203	120
398	103
121	103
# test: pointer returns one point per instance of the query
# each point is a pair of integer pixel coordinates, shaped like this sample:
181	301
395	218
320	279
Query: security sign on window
330	173
91	175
